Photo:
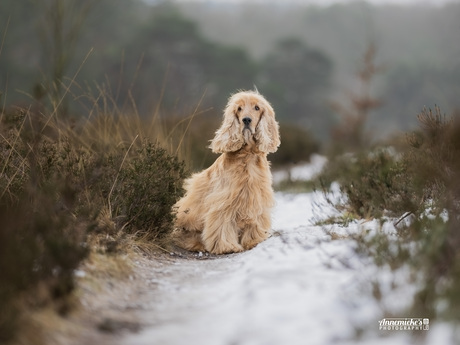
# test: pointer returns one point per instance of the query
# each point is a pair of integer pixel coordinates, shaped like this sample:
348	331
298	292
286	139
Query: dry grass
94	191
421	181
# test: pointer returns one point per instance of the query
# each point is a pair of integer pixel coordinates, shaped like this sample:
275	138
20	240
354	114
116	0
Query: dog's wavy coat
227	207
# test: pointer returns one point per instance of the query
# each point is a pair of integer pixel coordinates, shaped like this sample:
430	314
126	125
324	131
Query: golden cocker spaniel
226	208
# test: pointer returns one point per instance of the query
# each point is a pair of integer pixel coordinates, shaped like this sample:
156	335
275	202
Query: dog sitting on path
226	208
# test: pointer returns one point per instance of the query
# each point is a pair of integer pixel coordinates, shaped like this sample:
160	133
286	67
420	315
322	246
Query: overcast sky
328	2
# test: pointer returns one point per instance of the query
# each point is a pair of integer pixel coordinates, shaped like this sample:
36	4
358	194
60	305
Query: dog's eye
239	108
257	108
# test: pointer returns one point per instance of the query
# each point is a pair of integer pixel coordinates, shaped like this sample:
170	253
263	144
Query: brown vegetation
65	186
420	181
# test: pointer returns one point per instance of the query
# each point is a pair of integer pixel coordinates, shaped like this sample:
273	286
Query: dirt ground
115	295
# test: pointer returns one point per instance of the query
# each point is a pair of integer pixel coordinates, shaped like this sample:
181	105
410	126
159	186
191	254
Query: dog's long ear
267	131
228	137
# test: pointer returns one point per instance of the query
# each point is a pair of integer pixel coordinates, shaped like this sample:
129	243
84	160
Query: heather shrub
42	239
374	182
420	182
63	186
147	188
435	170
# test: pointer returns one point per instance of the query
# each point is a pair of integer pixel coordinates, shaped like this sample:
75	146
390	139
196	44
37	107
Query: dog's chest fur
246	176
248	166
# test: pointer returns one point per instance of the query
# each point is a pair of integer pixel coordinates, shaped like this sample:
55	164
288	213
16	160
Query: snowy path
288	290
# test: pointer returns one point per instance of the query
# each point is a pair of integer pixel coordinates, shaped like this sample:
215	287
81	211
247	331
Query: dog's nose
247	121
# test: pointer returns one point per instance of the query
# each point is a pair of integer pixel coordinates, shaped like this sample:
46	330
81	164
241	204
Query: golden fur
226	207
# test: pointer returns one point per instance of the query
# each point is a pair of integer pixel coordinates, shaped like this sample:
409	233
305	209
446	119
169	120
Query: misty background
184	57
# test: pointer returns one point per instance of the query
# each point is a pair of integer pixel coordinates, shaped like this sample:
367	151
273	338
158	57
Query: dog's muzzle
247	133
247	121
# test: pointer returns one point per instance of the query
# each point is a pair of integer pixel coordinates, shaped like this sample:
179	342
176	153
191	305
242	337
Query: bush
148	186
375	183
59	187
421	181
435	170
42	241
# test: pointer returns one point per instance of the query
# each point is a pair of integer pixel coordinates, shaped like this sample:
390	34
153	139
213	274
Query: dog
226	208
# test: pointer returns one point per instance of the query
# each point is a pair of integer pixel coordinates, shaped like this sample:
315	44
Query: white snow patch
303	171
297	287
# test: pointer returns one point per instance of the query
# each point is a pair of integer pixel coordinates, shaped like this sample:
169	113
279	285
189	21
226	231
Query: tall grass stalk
103	179
118	173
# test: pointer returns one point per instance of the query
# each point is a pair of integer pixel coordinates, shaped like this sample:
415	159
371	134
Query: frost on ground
301	286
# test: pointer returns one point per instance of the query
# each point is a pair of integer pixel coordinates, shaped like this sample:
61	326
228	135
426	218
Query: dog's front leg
254	233
219	236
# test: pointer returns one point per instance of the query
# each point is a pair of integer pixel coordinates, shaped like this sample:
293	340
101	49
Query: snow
303	171
298	287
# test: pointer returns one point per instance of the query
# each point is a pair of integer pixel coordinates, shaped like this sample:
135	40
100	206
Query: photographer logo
404	324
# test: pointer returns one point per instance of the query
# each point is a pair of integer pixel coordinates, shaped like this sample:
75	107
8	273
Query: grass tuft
68	188
421	181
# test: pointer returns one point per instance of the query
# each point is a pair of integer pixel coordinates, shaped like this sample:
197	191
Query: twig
66	91
404	216
188	124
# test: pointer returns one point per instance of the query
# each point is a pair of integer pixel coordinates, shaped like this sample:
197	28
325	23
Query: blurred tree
411	86
177	62
49	43
296	78
297	146
18	59
350	133
59	30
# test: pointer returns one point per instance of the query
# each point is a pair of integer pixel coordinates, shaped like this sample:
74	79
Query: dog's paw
249	244
226	248
250	239
190	240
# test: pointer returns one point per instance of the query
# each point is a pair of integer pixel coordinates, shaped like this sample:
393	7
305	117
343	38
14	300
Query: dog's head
248	120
